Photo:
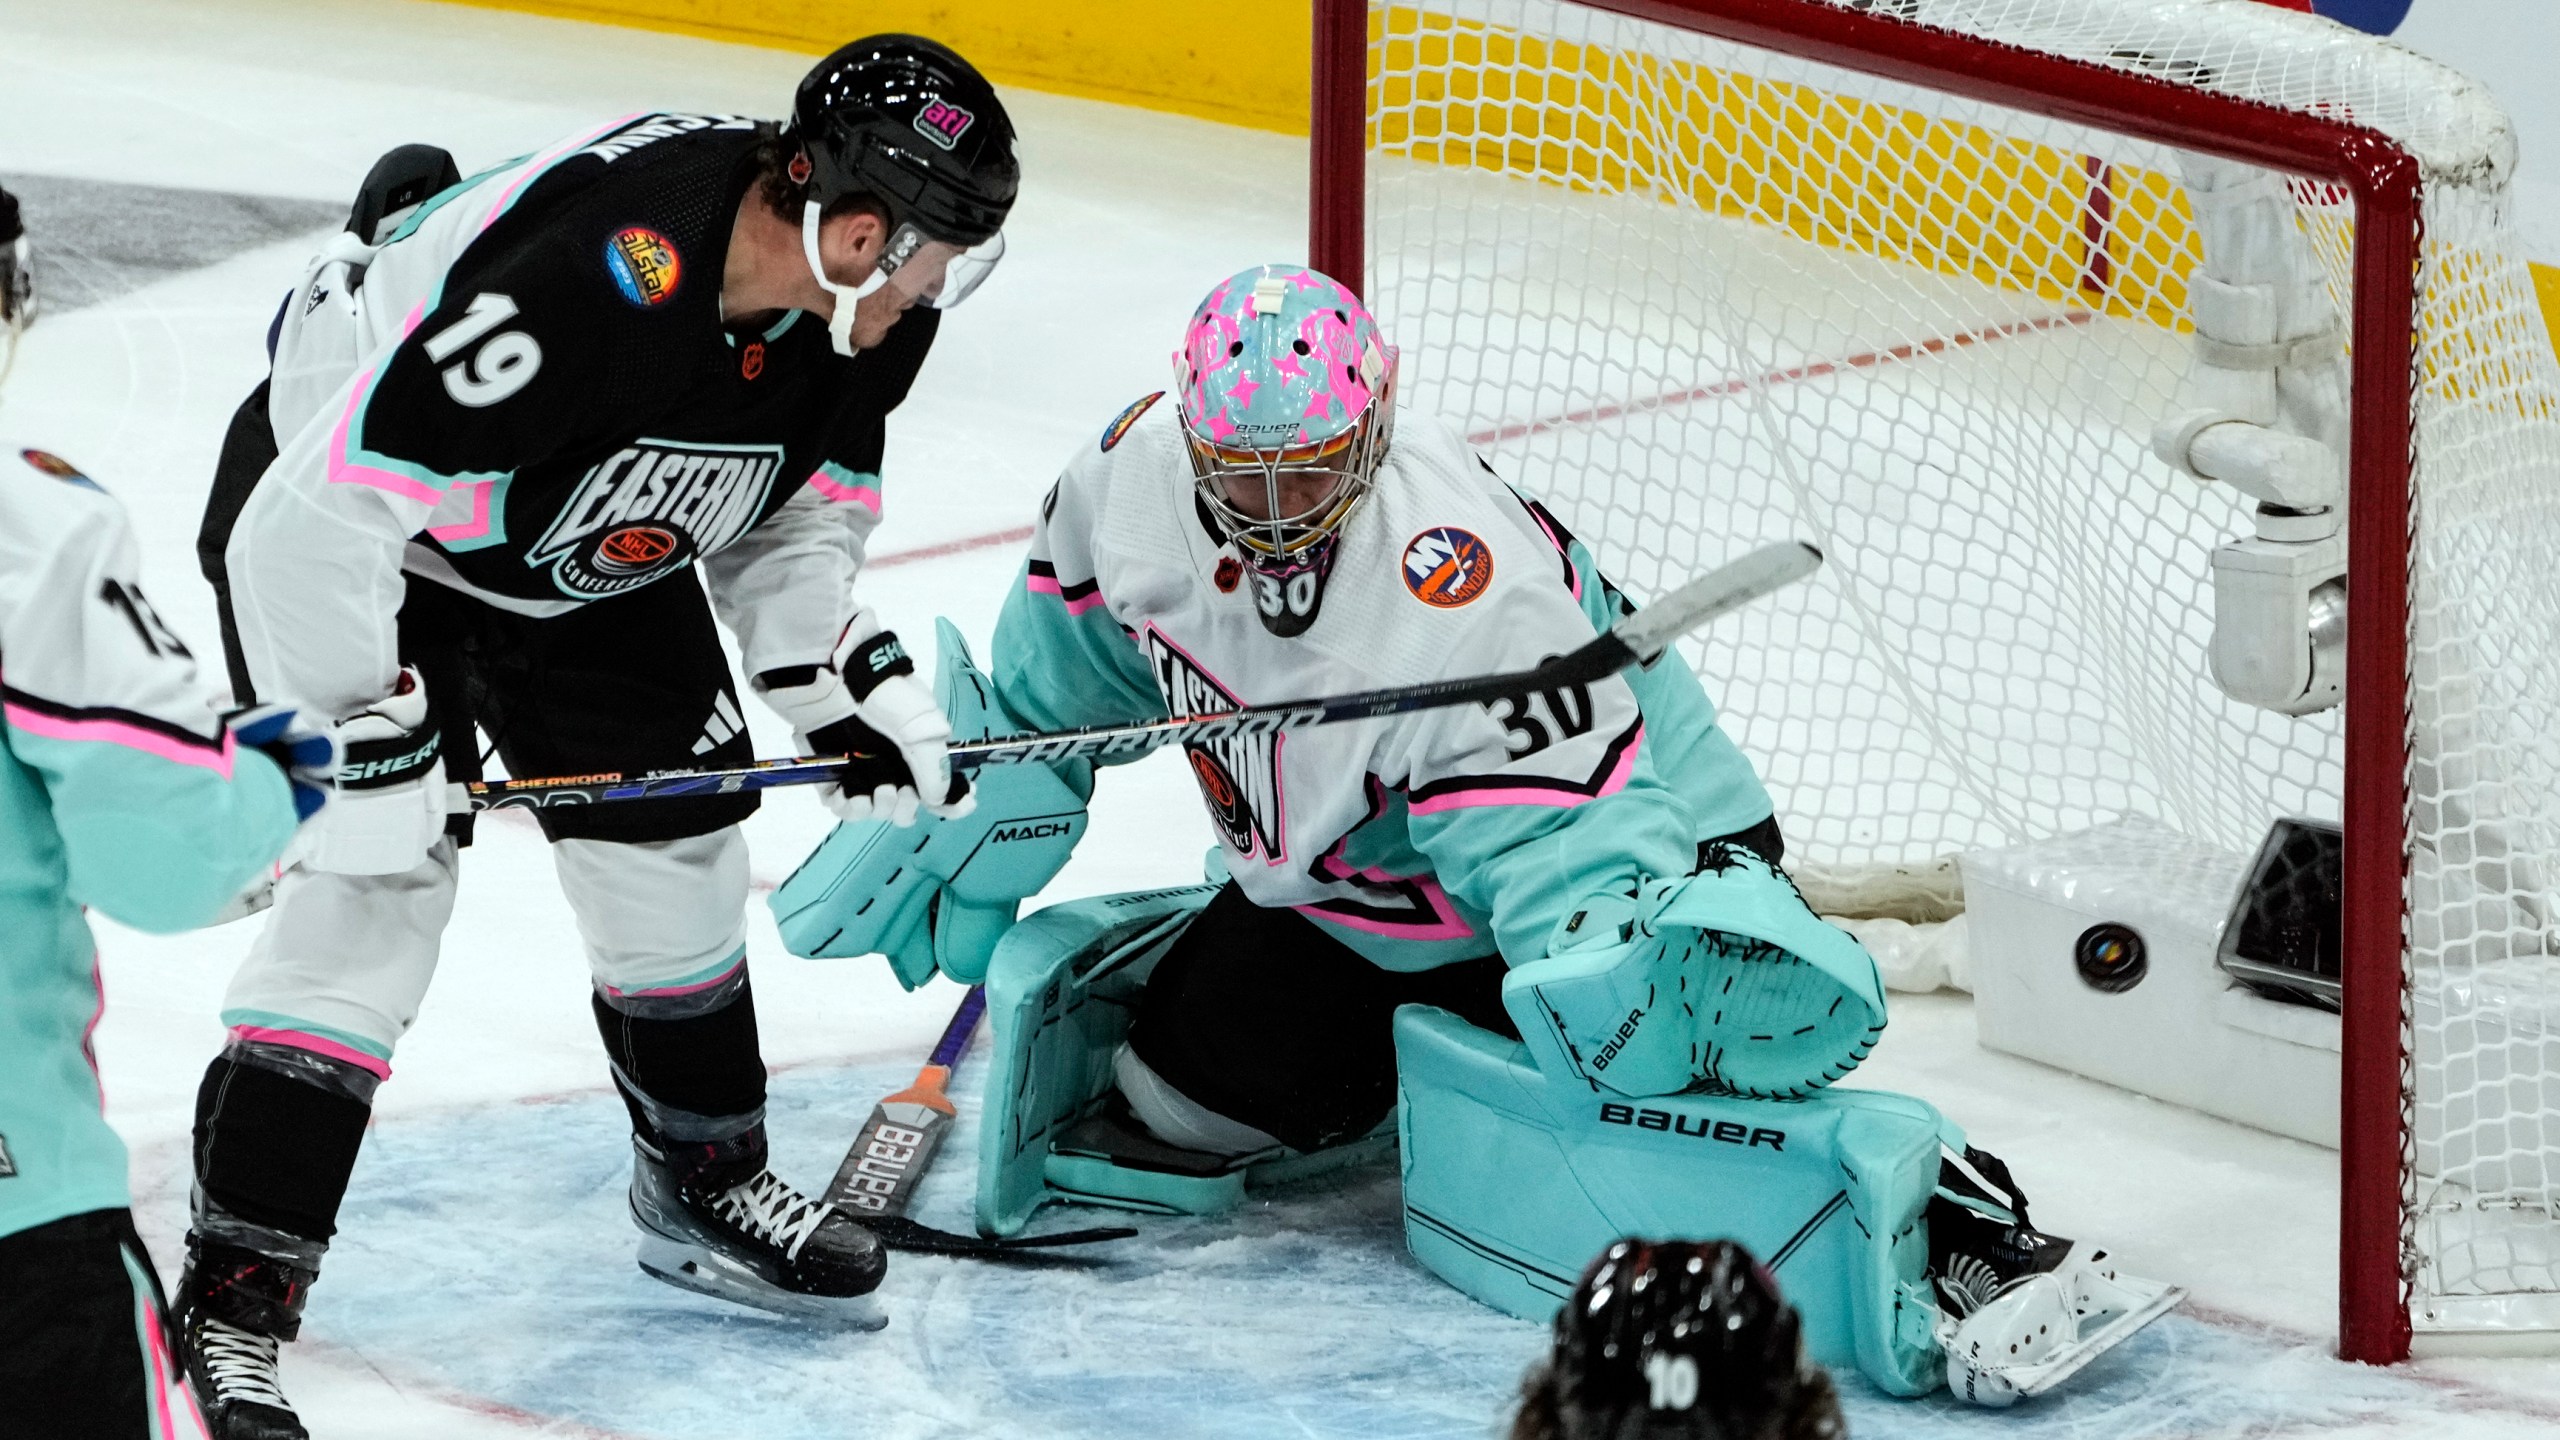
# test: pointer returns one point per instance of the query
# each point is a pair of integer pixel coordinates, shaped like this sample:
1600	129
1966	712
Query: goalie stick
1635	640
891	1150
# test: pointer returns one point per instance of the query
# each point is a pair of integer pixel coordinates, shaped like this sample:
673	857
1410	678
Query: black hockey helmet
913	124
1685	1339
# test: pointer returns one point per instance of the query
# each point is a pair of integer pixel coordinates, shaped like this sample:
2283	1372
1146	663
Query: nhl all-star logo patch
59	468
944	123
1120	423
1446	567
644	266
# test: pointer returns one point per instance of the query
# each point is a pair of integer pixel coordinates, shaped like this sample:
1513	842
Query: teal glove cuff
938	895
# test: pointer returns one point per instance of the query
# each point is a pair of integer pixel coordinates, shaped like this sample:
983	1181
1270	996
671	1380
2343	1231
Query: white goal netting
1701	296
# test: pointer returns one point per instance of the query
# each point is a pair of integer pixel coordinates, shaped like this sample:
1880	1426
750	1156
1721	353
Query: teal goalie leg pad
1061	990
1513	1182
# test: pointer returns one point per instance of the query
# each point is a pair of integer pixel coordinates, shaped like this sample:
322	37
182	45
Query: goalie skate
758	1243
2042	1329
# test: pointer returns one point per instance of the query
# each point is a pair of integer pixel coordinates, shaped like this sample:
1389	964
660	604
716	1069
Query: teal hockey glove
1722	983
938	895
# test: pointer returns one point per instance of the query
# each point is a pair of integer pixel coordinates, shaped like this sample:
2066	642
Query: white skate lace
240	1365
770	1210
1969	1284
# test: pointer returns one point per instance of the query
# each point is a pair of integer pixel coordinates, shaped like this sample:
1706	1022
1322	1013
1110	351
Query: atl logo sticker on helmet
644	266
944	123
1447	567
1121	422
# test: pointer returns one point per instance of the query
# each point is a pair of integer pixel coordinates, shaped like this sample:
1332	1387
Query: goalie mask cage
1910	279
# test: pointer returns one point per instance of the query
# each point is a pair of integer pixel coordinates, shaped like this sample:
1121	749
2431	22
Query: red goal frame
2373	1295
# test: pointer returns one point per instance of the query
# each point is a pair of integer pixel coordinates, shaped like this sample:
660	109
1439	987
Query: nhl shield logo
1446	567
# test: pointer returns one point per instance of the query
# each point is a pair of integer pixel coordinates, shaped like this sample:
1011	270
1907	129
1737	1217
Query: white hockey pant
344	960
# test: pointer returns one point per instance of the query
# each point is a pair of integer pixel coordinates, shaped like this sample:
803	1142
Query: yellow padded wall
1240	61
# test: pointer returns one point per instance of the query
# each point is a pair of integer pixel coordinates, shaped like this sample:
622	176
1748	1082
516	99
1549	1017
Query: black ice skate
1980	1239
2021	1311
724	1225
234	1306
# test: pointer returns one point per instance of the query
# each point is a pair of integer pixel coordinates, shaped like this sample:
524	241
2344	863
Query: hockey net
1912	279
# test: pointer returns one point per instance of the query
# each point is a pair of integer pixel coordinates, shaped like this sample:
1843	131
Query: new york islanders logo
644	266
1445	567
1120	423
944	123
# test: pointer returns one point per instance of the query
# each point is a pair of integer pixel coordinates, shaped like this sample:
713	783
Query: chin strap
839	324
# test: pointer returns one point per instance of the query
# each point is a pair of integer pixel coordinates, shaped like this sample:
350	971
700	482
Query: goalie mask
1287	395
919	131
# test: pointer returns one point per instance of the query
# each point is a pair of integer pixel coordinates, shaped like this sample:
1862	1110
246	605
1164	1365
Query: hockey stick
893	1147
1635	640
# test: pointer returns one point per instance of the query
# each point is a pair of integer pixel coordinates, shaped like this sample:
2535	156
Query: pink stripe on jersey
1448	926
203	754
478	524
1048	585
317	1045
691	989
1535	794
345	469
544	161
843	494
89	1032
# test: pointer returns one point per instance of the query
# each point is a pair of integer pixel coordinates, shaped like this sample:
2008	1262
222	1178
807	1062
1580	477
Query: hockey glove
389	805
939	896
1722	982
307	753
865	702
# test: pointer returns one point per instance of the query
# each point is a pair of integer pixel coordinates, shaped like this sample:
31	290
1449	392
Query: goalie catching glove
865	703
1721	982
938	896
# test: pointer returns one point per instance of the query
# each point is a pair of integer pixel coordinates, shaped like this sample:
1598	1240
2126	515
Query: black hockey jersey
528	392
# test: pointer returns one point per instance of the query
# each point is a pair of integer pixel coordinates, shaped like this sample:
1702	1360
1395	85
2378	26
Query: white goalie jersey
1418	839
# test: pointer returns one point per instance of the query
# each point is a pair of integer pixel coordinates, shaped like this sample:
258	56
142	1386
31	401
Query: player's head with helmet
1287	394
1678	1340
901	128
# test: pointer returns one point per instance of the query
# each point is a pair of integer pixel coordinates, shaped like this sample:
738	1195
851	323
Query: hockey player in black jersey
1678	1340
509	419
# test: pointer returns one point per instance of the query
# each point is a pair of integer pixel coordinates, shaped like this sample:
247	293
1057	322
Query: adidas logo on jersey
652	508
725	721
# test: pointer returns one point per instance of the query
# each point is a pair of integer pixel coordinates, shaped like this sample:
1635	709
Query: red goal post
2384	181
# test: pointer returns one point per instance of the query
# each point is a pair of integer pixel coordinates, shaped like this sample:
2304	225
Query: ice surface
483	1283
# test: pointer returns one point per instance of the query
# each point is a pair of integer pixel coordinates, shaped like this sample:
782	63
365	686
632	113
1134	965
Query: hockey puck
2111	957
